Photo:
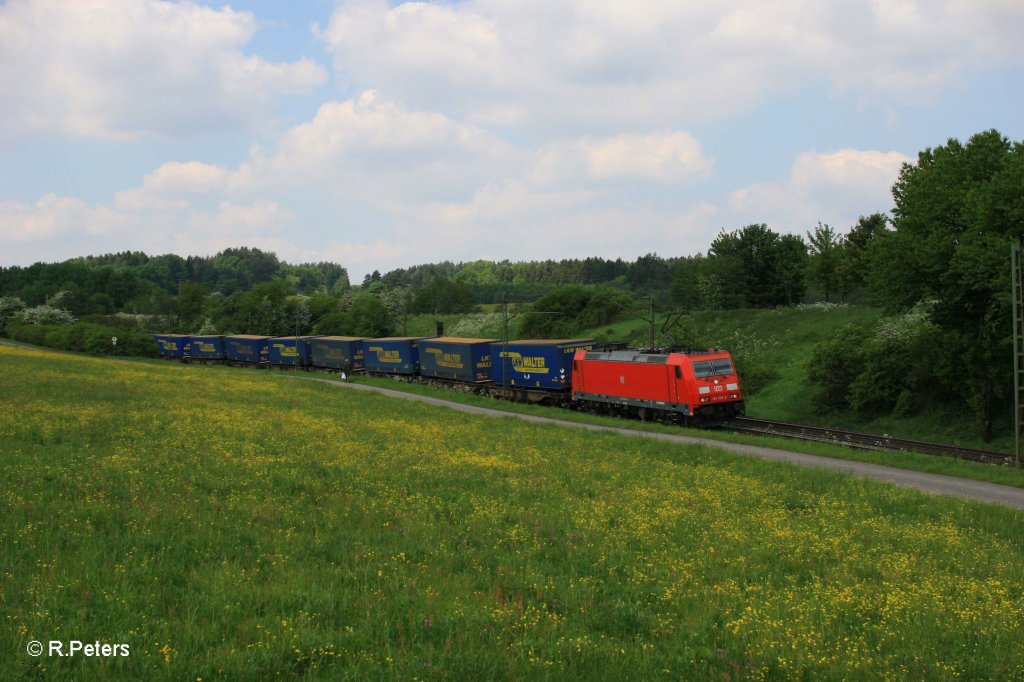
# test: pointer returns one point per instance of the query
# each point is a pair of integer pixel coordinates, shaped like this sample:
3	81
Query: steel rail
864	441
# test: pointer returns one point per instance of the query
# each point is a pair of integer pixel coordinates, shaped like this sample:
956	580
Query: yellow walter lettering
449	360
392	356
527	364
286	350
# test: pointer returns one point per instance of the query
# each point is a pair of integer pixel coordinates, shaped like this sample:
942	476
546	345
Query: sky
384	134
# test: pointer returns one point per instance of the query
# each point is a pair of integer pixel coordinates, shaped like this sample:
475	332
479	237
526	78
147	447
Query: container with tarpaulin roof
290	350
392	355
172	345
344	353
247	348
536	363
209	347
458	359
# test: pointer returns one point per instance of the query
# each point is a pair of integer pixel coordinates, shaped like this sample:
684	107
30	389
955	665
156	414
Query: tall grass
236	525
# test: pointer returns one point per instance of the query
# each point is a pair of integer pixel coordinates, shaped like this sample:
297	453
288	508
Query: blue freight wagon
172	345
392	355
458	359
247	348
536	363
292	351
209	348
343	353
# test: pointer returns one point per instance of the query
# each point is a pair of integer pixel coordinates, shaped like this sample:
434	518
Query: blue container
172	345
210	347
536	363
247	348
392	355
458	359
292	351
337	352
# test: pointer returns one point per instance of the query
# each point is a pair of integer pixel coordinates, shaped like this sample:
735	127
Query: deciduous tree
956	210
825	246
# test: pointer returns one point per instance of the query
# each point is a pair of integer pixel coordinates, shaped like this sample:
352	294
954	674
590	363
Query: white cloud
515	220
437	188
54	219
370	167
172	186
834	188
373	150
590	66
861	172
56	228
21	223
377	185
120	68
662	158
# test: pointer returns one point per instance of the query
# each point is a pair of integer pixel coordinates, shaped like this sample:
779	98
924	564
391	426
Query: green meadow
226	524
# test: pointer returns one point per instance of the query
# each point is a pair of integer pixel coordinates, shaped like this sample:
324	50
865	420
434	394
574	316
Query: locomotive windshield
708	368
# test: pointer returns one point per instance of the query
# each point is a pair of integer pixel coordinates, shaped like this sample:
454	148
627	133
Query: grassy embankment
236	525
783	340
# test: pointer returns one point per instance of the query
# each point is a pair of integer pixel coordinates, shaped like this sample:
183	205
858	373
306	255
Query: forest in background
938	266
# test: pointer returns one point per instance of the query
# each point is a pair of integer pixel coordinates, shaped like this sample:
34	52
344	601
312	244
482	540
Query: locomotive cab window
707	368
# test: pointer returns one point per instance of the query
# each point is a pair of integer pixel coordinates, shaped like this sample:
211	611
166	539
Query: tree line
134	282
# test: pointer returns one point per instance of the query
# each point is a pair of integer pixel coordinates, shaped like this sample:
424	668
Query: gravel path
919	480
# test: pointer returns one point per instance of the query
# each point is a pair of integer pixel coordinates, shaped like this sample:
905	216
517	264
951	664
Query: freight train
672	386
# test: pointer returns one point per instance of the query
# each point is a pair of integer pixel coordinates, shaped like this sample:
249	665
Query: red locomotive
675	387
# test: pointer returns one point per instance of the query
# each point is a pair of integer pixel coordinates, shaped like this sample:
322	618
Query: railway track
864	441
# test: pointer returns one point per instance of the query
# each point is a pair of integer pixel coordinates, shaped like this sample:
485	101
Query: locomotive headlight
704	400
717	382
732	395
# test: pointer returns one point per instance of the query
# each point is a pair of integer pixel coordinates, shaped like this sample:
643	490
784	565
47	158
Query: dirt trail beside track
926	482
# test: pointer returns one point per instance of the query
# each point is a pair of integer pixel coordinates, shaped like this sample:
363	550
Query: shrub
891	368
477	325
9	307
331	324
84	337
47	314
754	374
835	364
899	370
565	311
